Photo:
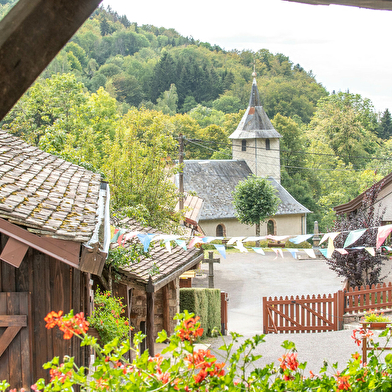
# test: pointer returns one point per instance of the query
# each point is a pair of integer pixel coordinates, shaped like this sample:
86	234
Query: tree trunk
258	233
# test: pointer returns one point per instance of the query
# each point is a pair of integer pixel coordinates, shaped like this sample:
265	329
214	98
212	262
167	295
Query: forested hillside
118	95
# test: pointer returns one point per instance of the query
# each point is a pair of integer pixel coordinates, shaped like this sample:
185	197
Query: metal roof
255	122
215	180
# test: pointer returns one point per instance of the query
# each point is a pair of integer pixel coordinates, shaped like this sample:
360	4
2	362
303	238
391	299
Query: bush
204	302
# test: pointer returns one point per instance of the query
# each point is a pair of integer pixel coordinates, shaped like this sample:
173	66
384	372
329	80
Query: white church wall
285	225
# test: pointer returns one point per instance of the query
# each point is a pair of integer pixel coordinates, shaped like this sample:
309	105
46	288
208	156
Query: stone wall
139	307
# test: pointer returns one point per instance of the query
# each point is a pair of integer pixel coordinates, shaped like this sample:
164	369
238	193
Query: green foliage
373	317
204	302
107	317
255	200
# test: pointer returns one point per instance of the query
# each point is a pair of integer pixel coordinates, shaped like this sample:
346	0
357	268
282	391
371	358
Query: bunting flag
353	236
382	234
278	237
294	252
181	243
168	246
300	238
388	248
194	241
165	237
145	239
206	240
310	253
260	251
254	239
278	252
324	252
341	251
221	249
129	236
234	239
240	246
371	251
330	248
117	233
329	235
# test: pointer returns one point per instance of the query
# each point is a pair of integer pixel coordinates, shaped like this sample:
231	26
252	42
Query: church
256	150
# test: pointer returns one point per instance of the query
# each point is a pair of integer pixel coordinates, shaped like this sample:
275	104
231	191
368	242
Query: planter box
381	325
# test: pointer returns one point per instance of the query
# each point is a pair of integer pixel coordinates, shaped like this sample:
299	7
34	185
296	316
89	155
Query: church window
267	144
271	227
243	145
220	230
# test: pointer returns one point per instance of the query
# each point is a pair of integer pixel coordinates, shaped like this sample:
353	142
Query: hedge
206	304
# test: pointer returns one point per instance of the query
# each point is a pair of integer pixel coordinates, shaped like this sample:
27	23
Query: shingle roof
46	194
215	180
255	122
167	263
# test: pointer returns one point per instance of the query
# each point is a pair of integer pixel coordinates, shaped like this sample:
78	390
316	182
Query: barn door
15	356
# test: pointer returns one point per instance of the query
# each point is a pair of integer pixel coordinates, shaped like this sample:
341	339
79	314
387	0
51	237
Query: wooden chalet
54	234
150	287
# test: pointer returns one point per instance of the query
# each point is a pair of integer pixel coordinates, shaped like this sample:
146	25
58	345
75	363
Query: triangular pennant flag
342	251
388	248
145	239
181	243
300	238
168	246
278	237
278	252
234	239
221	249
310	253
130	235
117	233
353	236
371	251
206	240
324	252
254	239
240	246
260	251
194	241
330	248
329	235
382	234
165	237
293	252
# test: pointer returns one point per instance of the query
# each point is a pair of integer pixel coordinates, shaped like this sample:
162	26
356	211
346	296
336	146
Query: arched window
221	230
271	227
243	148
267	144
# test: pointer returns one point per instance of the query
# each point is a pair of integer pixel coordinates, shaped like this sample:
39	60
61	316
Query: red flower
289	361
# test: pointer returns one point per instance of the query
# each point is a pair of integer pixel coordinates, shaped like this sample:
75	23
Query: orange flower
52	319
57	373
289	361
199	377
343	383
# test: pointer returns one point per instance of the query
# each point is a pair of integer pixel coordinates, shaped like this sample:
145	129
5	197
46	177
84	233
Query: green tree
385	126
167	102
254	201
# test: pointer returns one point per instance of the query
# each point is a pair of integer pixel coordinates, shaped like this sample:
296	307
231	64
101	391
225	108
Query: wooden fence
323	312
362	299
303	314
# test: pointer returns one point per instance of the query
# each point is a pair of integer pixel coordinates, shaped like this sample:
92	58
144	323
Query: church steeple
255	140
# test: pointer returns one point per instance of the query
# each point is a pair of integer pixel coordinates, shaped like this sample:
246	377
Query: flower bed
188	369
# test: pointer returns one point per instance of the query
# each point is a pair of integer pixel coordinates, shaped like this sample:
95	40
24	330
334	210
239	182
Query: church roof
255	122
215	180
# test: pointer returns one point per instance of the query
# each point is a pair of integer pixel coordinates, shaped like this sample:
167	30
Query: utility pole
181	172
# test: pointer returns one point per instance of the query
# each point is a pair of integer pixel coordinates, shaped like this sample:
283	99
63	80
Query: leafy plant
374	317
107	319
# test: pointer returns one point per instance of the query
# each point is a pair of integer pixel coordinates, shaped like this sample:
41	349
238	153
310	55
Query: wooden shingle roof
46	194
162	266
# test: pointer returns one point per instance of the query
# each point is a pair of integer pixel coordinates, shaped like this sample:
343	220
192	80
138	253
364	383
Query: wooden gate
15	355
305	314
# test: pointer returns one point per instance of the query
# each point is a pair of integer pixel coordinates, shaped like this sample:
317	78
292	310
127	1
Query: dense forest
118	95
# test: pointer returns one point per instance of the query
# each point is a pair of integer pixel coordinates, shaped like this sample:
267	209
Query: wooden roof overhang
354	204
371	4
31	35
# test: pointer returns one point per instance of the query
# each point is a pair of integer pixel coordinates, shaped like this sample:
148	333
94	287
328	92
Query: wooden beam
14	252
150	324
39	243
31	35
166	309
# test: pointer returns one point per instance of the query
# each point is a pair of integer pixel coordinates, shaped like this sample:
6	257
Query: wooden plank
7	338
15	360
166	310
25	348
14	252
13	320
27	45
36	242
150	323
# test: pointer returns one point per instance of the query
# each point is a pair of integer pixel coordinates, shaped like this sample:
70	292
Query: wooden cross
211	262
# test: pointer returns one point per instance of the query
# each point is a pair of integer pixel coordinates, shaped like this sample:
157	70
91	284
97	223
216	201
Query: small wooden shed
54	233
150	288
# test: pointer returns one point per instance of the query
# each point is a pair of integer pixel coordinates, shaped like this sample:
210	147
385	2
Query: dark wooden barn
54	234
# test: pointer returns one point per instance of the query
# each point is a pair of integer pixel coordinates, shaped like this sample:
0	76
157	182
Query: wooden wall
52	285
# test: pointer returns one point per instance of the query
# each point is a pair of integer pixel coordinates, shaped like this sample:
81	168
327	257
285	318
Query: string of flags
122	235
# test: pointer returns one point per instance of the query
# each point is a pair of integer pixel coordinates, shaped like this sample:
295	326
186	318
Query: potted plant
375	320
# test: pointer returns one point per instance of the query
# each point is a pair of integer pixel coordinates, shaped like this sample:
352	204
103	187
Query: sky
346	48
